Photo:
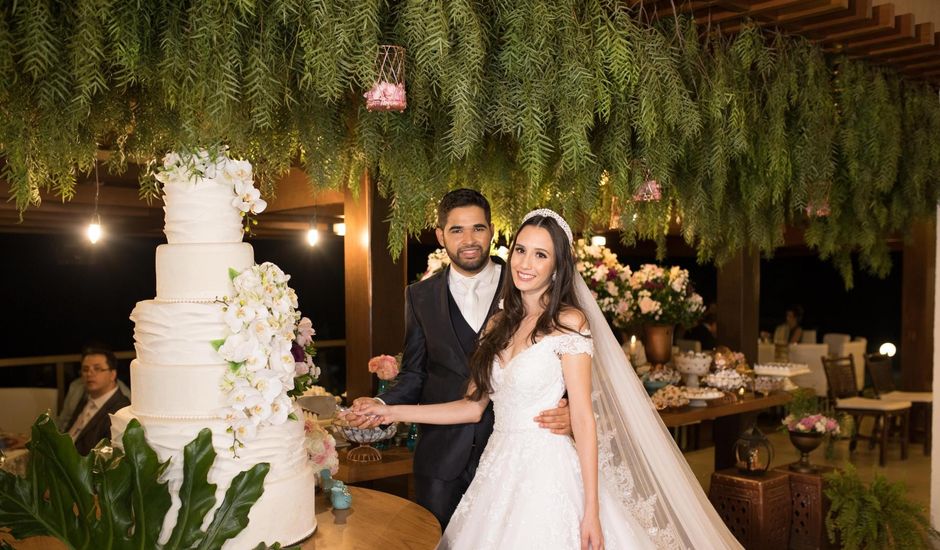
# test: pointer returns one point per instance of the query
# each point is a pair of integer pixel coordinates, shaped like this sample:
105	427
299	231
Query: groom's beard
471	266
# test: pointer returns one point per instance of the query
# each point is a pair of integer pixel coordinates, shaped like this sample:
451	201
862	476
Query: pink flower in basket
384	366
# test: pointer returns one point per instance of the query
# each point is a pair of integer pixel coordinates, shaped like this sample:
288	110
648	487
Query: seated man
91	421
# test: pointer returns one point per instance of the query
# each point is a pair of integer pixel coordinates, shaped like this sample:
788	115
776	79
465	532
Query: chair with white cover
835	340
843	391
857	351
810	355
879	368
765	353
19	407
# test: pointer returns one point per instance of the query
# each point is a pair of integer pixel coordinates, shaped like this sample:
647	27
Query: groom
444	315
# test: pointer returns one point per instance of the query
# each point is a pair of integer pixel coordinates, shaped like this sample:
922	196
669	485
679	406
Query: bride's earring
554	274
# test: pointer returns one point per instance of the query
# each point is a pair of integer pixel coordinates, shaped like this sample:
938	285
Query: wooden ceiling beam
902	35
925	42
857	14
760	9
785	16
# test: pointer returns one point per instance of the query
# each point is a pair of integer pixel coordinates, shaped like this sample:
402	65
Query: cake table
375	520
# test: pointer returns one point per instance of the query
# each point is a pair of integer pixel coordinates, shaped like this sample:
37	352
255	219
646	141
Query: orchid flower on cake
269	351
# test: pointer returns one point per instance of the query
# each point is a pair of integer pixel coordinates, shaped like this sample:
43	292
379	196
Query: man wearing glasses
91	420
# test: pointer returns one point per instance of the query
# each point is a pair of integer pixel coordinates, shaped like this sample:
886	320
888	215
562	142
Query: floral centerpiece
808	427
269	350
439	259
664	296
320	445
727	359
607	279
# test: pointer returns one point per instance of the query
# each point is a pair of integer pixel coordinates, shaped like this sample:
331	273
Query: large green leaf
232	516
58	495
150	499
196	494
55	498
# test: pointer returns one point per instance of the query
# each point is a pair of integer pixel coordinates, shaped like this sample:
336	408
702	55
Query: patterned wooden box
809	508
755	509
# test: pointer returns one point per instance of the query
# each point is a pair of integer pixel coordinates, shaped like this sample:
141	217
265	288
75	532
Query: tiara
545	212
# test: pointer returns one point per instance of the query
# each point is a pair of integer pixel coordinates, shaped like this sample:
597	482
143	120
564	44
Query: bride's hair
558	296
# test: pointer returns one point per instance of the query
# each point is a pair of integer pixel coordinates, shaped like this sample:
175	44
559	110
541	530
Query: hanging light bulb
339	229
598	240
313	236
94	230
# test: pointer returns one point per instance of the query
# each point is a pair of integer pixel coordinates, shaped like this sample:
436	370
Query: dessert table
375	520
731	418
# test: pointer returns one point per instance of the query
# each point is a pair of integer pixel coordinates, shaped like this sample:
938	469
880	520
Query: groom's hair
459	198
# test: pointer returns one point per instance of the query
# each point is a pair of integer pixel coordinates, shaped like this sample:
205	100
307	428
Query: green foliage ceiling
565	104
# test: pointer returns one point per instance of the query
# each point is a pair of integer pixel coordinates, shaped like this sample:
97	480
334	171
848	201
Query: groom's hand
359	420
558	420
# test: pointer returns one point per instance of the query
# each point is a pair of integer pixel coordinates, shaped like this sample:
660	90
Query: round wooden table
375	520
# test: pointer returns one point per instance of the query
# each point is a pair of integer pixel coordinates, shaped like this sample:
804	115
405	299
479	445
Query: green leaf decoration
150	499
58	495
216	344
232	516
566	105
196	494
232	273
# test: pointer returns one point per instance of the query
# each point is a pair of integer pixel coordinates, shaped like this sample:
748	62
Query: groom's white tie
471	305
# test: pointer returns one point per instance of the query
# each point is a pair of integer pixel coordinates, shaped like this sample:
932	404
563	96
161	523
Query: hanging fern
565	104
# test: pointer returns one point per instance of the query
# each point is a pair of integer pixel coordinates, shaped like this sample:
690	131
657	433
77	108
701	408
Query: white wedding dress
527	491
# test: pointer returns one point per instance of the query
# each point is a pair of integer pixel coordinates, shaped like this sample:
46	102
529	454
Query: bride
622	482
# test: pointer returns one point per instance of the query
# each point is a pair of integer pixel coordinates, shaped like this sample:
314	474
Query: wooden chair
843	392
879	369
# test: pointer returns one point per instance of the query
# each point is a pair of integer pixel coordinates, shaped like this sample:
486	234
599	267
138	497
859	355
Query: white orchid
280	409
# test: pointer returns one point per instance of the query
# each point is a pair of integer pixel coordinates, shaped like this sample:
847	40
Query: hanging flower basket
649	191
820	210
388	92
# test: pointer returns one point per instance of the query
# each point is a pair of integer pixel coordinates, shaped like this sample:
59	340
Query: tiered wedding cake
181	383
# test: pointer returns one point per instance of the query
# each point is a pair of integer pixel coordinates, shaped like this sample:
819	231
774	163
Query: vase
805	443
657	341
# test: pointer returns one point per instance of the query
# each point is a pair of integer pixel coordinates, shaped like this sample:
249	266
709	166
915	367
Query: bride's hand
591	536
375	409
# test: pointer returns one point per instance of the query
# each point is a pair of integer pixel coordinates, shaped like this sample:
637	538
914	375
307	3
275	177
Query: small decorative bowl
365	452
652	386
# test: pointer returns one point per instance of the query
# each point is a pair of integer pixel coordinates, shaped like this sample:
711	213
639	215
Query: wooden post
918	275
738	304
375	287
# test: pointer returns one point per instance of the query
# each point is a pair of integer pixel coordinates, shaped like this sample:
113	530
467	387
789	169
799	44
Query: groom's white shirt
486	289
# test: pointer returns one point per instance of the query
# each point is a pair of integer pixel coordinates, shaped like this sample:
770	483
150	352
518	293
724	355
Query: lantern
753	452
388	92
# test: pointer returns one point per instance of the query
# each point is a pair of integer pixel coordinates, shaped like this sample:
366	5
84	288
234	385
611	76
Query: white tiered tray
698	397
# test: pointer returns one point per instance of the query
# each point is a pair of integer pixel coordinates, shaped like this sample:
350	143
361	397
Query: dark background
61	292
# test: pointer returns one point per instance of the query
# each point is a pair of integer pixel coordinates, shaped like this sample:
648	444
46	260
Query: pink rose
384	366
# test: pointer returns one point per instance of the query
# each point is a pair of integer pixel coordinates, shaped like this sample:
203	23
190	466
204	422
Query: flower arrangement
664	296
385	367
320	445
607	279
269	350
668	397
439	259
213	164
814	423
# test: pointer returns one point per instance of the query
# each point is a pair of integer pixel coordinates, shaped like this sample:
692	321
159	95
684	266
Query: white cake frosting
201	211
197	271
176	378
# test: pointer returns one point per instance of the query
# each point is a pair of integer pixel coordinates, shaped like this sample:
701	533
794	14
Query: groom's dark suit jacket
438	345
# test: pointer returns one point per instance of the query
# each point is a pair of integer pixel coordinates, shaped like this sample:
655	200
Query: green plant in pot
878	516
115	499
